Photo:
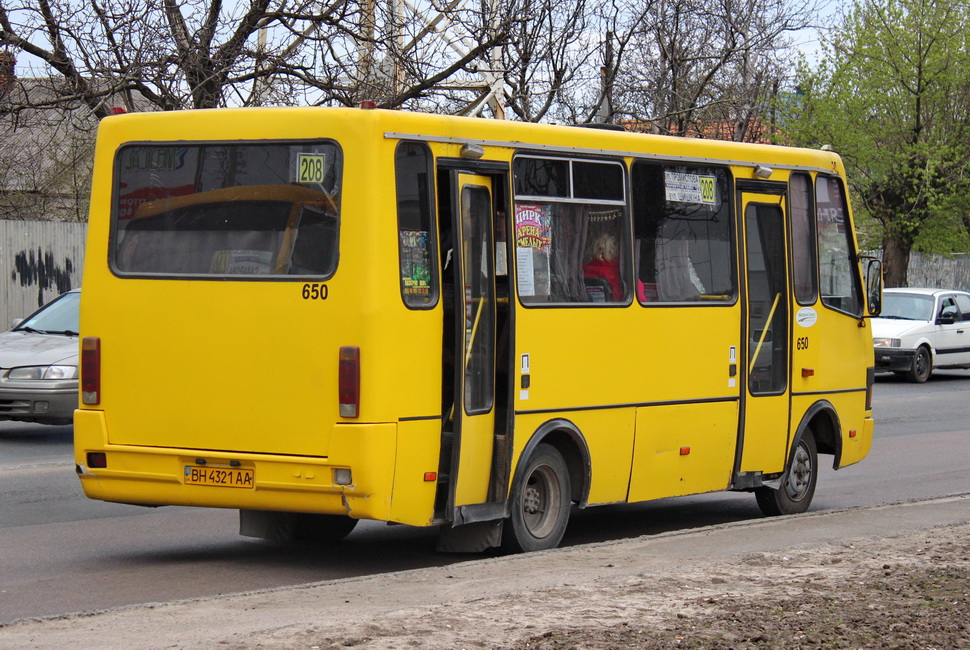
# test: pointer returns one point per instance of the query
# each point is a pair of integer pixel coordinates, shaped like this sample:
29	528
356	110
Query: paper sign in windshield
690	188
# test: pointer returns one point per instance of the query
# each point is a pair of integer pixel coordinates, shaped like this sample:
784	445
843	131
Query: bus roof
284	122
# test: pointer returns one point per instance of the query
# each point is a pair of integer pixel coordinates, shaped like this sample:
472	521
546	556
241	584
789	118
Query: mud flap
266	524
470	538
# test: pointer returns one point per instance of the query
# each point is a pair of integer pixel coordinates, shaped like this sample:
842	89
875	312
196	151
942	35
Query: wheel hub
800	475
532	501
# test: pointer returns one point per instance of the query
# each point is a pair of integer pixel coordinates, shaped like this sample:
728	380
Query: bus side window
804	243
571	231
416	241
837	273
683	230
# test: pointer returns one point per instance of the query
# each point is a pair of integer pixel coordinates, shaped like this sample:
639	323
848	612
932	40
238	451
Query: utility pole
604	113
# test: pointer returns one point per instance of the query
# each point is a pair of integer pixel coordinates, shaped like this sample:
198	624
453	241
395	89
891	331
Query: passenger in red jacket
603	262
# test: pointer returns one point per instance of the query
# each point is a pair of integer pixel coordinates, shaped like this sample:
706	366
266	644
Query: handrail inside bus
471	340
764	333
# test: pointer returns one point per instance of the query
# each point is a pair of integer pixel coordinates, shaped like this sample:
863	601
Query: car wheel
540	504
922	366
798	486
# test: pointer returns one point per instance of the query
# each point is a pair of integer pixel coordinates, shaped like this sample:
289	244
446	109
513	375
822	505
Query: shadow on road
938	376
36	433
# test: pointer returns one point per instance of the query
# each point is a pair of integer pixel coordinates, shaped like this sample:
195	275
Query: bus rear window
227	210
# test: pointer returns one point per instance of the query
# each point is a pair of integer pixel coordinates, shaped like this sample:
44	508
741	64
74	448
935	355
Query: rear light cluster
349	386
91	370
97	459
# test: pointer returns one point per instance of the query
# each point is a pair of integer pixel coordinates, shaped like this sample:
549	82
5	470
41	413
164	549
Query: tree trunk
895	261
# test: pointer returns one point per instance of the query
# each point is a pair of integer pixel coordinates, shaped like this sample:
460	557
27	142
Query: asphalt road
60	552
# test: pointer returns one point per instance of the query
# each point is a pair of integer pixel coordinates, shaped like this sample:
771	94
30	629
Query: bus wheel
798	487
322	528
540	504
922	366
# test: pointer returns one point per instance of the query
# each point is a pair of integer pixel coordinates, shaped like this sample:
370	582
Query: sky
808	40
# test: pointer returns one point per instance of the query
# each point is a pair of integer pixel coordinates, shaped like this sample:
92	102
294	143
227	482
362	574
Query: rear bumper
156	476
894	359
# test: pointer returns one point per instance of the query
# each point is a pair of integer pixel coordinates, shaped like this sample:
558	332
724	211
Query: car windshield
908	306
58	317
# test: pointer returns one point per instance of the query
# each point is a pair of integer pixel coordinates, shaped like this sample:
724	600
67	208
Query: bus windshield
227	210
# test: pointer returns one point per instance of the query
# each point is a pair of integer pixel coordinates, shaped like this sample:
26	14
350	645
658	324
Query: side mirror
15	322
874	285
947	318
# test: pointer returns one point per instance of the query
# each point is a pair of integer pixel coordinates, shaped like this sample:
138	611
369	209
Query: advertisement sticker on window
415	263
533	246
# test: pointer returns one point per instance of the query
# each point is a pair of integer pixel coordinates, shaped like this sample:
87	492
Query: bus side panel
609	437
856	429
831	354
856	448
821	355
683	449
690	355
766	437
417	454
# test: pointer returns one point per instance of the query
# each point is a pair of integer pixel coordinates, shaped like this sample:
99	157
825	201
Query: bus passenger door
474	391
766	371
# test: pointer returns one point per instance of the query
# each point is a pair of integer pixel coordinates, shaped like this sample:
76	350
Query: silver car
38	364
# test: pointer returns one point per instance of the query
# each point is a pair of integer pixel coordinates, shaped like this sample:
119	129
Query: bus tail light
349	387
91	370
97	459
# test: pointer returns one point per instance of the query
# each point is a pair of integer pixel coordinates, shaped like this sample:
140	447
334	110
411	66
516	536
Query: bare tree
45	166
548	56
710	67
171	54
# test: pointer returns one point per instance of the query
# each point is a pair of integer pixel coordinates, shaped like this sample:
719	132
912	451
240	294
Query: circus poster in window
533	246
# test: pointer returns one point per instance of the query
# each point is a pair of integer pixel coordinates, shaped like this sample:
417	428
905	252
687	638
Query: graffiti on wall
40	269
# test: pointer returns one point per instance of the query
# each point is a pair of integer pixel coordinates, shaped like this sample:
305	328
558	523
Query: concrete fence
42	259
39	260
937	271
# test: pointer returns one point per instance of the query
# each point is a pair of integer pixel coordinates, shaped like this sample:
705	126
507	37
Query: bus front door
766	394
474	396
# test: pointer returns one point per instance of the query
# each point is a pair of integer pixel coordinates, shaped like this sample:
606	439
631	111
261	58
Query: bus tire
322	528
798	486
922	366
540	504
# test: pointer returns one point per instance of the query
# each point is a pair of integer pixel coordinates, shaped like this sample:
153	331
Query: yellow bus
317	316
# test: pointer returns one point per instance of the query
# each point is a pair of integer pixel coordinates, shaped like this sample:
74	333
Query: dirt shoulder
891	576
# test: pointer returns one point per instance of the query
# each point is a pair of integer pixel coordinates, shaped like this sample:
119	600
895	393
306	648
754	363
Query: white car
922	329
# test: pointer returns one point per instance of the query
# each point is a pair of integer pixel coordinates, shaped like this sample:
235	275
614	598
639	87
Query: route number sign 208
311	167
